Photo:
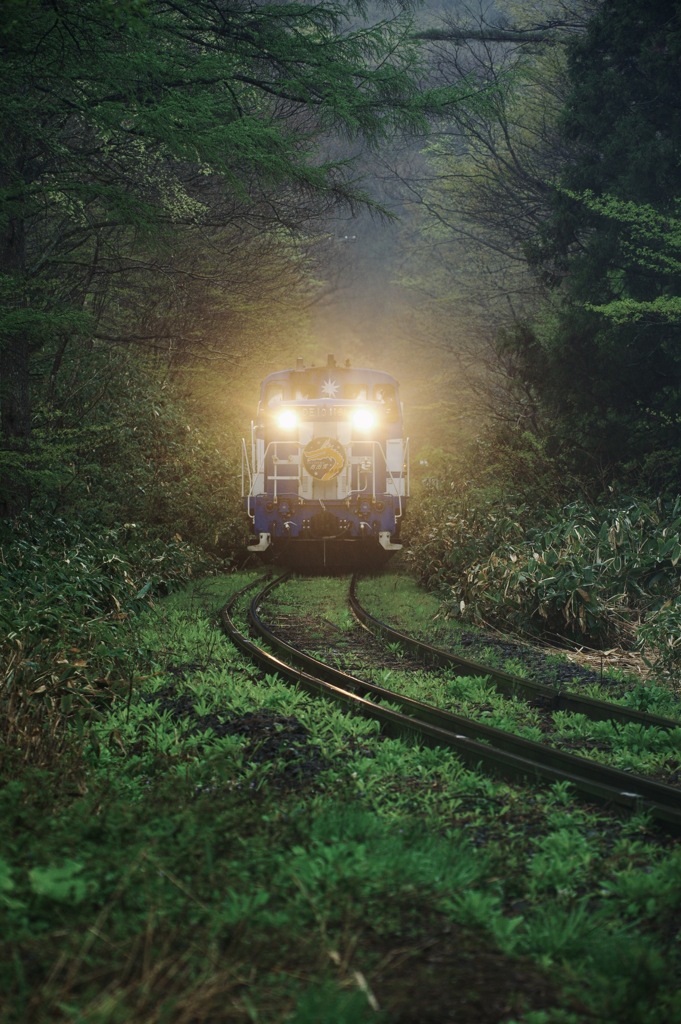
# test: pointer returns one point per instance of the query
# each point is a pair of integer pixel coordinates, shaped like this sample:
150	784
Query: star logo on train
329	388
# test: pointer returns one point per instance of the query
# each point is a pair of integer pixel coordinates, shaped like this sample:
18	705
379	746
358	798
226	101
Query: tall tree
485	190
120	122
561	197
610	367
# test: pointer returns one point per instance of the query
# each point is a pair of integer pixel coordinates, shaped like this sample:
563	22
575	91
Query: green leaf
61	882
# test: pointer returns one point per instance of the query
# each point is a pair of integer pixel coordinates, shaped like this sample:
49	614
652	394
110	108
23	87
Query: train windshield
331	383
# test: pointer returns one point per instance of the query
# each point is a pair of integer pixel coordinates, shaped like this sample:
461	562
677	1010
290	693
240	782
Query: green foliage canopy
137	130
609	369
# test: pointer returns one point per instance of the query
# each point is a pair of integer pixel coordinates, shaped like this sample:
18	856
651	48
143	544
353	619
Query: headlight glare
364	419
287	419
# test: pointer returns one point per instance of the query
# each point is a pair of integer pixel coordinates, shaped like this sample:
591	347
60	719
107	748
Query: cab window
274	393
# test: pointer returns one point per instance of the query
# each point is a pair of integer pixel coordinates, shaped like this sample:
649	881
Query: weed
186	868
579	571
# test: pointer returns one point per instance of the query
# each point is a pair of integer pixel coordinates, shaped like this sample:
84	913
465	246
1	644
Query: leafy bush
67	589
119	440
468	504
659	637
588	573
156	463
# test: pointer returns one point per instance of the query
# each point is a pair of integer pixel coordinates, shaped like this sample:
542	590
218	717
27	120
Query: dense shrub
597	575
659	637
68	590
118	439
123	490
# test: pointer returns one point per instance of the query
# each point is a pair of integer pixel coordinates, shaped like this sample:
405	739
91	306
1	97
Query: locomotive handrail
271	450
246	470
328	462
405	463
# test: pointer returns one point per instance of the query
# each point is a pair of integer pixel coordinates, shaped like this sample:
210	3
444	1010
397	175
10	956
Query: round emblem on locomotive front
323	457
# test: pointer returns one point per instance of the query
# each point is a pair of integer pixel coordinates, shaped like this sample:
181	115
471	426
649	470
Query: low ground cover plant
70	592
231	849
396	597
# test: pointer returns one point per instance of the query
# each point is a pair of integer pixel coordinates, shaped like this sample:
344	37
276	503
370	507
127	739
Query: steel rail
505	682
503	753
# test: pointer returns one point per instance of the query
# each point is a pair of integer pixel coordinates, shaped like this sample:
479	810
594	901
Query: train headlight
287	419
363	419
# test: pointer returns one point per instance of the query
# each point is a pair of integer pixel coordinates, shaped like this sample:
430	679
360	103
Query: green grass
631	748
404	604
217	845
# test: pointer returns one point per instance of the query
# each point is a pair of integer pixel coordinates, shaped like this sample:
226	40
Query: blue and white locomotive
325	478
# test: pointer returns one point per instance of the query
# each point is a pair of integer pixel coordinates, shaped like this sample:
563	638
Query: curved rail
505	754
505	682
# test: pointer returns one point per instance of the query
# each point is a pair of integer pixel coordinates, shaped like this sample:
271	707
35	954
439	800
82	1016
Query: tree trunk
15	402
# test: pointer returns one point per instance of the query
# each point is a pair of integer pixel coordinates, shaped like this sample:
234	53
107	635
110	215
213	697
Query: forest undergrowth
188	840
509	546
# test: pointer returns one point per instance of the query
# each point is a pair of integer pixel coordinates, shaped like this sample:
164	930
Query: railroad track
506	683
478	745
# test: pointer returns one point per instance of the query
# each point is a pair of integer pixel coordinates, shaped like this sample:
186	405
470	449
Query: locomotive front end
325	476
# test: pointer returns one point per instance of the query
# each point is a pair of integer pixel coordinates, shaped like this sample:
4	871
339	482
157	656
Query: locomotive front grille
324	524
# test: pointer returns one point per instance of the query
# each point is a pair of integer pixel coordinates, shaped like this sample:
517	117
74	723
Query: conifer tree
124	120
609	370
